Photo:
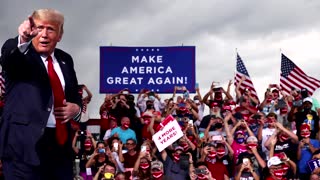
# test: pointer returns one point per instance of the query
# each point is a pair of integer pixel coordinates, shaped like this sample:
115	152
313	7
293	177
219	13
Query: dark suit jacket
29	99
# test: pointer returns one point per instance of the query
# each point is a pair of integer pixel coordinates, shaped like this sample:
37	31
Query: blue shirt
124	135
306	156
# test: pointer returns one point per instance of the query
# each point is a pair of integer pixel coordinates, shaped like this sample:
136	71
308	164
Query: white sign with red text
167	135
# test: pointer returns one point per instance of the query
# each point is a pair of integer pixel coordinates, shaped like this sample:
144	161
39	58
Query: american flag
247	83
293	77
2	86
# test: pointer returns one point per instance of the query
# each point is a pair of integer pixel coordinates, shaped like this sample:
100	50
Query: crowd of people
41	133
234	138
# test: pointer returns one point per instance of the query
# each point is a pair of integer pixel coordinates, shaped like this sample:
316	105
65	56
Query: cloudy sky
259	30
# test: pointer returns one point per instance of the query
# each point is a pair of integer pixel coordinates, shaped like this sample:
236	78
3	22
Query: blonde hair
51	15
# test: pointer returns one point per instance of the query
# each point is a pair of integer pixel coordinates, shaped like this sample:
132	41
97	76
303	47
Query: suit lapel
39	61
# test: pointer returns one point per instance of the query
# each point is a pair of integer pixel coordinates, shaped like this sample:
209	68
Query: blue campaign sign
313	164
158	69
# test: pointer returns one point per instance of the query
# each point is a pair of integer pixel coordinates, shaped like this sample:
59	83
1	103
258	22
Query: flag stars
141	49
152	49
157	90
137	90
158	49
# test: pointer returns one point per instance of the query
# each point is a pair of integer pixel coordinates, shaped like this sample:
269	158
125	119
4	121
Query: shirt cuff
78	116
23	46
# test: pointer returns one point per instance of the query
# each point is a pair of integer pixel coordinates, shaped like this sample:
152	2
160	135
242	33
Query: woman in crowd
85	151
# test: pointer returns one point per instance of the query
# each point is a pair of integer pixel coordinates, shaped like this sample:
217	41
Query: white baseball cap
275	160
307	99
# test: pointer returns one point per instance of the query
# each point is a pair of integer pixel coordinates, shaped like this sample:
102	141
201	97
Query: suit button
49	109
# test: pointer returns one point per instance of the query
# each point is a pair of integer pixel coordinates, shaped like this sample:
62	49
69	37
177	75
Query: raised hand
27	30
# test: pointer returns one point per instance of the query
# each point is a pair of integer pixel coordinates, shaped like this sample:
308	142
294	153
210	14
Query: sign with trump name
158	69
170	133
313	164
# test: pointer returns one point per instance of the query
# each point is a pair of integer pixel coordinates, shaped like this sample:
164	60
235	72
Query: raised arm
237	89
227	129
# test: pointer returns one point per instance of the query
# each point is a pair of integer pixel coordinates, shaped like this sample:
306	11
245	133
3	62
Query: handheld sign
313	164
167	135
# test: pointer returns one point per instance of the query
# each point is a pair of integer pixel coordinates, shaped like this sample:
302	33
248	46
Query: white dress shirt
23	49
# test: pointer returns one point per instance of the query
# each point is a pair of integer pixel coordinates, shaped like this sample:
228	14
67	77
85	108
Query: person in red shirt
217	169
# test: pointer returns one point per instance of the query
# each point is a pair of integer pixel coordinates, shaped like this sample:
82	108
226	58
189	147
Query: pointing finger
32	24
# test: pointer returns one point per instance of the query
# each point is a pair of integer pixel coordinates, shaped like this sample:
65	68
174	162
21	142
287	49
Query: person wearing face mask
268	103
124	132
157	172
197	99
141	168
123	108
115	147
225	154
215	127
146	121
130	157
307	147
84	152
289	167
265	132
106	172
217	168
275	169
201	172
172	164
246	170
253	155
145	99
286	141
306	115
237	141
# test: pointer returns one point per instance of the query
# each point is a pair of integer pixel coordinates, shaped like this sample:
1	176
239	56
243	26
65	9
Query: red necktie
58	97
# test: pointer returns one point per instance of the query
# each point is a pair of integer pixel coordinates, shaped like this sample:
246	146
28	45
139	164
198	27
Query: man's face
245	102
130	145
275	95
277	171
101	146
125	120
49	34
109	169
307	104
113	123
271	119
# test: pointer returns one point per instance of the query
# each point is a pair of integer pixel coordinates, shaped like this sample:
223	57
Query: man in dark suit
42	100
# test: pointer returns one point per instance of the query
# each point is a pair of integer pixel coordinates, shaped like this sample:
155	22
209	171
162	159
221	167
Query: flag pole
234	79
